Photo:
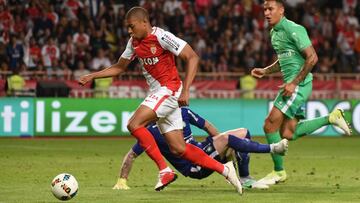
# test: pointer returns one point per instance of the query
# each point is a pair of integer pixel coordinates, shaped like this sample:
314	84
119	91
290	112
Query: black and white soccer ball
64	186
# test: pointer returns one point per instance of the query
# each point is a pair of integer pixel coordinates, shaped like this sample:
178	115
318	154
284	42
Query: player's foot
337	118
249	182
121	185
232	176
273	178
165	178
280	147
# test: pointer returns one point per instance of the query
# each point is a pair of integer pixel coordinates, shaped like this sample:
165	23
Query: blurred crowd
69	38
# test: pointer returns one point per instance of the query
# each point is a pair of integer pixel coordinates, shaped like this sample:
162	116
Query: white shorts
165	104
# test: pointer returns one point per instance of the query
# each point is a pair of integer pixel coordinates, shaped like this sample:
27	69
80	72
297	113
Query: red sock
199	157
147	142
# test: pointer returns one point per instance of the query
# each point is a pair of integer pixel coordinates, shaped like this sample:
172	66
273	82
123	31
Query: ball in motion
64	186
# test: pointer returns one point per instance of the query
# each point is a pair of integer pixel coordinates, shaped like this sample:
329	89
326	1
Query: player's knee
270	125
131	126
267	126
287	134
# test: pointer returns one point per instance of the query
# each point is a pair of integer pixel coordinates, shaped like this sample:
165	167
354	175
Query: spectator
100	61
15	53
326	65
4	69
247	85
170	6
97	42
327	28
81	39
6	18
63	71
68	51
233	31
34	55
346	42
72	8
102	86
348	5
52	15
15	83
50	53
80	70
18	26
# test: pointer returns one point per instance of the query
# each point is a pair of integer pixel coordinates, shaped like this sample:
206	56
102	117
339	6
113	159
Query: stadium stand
62	39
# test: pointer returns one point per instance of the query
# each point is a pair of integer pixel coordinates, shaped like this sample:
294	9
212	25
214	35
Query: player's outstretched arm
113	70
210	129
192	62
261	72
125	171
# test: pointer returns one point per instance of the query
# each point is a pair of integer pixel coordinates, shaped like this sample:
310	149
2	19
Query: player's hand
289	89
121	185
85	79
184	98
258	72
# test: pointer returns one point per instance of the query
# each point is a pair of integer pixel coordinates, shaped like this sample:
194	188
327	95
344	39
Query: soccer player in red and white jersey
155	49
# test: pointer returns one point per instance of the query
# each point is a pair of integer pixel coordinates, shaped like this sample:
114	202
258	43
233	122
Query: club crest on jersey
153	48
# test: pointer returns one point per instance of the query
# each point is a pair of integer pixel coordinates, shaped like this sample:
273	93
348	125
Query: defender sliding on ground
219	146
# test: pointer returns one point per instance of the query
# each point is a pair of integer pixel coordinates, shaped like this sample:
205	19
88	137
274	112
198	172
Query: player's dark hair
138	12
282	2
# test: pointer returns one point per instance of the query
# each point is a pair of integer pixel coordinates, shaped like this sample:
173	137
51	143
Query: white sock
167	169
272	148
225	173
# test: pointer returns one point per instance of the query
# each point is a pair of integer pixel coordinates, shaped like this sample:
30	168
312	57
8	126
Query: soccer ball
64	186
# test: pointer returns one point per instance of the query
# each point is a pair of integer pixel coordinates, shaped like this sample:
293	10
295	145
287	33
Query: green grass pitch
319	170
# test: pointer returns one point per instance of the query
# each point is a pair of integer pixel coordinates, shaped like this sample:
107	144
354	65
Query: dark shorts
197	172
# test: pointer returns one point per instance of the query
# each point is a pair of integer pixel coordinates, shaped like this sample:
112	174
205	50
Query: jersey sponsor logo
170	41
286	54
149	61
153	48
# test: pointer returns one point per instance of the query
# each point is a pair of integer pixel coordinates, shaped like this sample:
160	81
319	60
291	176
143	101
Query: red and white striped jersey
156	54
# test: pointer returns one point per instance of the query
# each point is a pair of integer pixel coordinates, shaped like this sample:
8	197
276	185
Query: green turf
319	170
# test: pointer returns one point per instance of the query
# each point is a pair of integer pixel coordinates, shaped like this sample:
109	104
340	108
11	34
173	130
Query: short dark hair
281	1
278	1
138	12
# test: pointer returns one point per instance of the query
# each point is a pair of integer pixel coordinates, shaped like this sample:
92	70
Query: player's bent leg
238	132
240	141
306	127
273	121
271	128
247	146
337	118
190	152
142	116
288	127
199	157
